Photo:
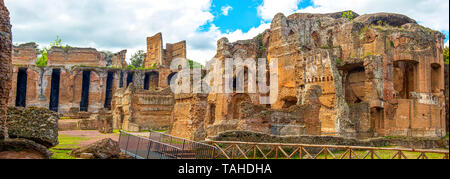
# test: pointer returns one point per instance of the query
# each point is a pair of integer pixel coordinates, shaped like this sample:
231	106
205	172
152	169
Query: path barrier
251	150
163	146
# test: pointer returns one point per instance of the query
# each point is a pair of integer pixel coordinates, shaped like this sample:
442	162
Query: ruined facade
78	79
158	56
5	61
75	79
137	109
379	75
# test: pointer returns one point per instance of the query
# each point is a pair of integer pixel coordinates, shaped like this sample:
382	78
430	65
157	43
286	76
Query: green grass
69	142
62	151
61	154
383	154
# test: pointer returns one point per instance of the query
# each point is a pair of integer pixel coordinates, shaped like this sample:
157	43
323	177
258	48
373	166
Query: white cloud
253	32
270	8
116	24
446	44
226	9
110	24
430	13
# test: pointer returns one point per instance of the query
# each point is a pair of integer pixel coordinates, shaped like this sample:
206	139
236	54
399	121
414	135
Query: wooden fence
250	150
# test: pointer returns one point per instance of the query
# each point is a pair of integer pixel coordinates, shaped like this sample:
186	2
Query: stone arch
405	78
355	84
151	80
435	77
172	75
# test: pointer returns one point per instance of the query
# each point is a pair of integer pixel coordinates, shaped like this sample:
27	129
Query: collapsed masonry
5	61
78	82
376	75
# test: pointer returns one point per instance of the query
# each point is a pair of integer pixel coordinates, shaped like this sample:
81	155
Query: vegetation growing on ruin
137	59
42	59
193	64
348	15
108	57
446	55
65	146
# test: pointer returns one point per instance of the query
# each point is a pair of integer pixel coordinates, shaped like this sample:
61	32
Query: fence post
150	142
182	152
137	147
128	140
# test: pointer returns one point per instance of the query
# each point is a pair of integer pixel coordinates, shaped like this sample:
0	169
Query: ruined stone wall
157	55
136	109
447	105
188	116
380	74
173	51
24	54
366	65
39	87
72	56
5	61
155	51
118	59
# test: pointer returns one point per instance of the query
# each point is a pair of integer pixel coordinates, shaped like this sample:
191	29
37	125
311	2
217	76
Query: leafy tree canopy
137	59
43	58
446	55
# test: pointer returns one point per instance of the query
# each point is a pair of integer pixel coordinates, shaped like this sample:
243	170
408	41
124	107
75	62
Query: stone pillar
5	63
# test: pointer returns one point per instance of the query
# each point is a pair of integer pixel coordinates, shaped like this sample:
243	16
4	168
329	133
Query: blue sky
117	24
243	15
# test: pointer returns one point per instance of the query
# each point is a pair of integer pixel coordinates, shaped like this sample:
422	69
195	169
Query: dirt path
93	136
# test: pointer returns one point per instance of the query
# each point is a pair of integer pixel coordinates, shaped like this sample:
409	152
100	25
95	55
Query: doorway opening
84	105
54	92
21	94
108	95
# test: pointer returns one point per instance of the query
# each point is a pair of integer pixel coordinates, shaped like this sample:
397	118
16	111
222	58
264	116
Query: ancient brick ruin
375	75
78	82
5	62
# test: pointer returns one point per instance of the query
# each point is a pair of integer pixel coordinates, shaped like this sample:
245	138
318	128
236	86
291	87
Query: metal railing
250	150
143	148
163	146
190	149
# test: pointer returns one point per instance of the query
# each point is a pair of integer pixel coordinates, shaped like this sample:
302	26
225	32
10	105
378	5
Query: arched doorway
151	80
170	77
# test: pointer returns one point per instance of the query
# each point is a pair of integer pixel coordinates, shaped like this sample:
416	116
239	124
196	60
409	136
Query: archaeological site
329	76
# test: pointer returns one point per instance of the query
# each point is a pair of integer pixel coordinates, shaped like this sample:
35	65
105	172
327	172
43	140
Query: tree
43	58
446	55
348	14
137	59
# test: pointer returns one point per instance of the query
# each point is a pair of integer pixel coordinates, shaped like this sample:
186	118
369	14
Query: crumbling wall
381	74
72	56
136	109
24	54
188	116
155	51
39	87
5	61
173	51
118	59
157	55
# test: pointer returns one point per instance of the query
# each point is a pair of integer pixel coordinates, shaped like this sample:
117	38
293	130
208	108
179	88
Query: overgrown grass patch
61	154
69	142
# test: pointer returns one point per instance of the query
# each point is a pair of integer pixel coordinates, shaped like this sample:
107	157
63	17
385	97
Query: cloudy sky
123	24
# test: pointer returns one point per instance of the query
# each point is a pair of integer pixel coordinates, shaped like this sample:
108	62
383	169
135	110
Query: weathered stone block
36	124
